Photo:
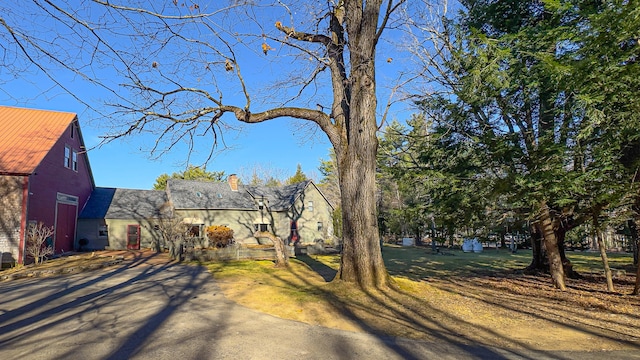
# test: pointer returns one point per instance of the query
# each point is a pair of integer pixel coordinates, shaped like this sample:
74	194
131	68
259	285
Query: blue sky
279	145
275	145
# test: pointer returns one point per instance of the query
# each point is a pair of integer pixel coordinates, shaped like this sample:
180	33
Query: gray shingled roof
110	203
192	194
279	198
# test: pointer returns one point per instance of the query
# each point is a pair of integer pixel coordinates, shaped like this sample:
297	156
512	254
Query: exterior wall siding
116	239
117	230
308	218
52	177
11	199
88	230
240	221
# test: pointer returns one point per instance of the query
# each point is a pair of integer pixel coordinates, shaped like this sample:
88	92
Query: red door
65	227
295	237
133	237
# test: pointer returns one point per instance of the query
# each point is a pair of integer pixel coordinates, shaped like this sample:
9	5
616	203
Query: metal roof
27	135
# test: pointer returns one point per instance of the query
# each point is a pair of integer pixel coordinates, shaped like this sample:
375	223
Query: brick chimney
233	182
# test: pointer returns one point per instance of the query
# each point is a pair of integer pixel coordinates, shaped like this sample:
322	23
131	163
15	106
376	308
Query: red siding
52	177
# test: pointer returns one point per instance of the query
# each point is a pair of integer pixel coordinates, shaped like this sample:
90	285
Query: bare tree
37	247
282	256
177	68
173	230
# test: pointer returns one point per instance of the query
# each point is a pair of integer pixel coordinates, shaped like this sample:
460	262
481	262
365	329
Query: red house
44	177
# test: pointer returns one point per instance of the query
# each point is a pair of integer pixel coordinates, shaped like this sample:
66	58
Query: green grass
418	263
225	269
590	262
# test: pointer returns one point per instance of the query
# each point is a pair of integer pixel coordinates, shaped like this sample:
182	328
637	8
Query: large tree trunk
356	149
361	261
567	266
551	247
538	257
540	260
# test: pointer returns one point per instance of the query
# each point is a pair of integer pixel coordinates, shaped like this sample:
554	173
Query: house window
70	158
310	205
72	130
103	231
67	157
261	227
74	160
319	225
194	231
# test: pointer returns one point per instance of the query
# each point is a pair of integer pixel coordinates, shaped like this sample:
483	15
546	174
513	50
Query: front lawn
455	296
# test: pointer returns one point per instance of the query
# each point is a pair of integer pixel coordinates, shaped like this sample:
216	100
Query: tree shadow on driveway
107	314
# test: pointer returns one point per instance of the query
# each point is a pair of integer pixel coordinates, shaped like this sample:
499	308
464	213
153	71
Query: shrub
219	236
37	246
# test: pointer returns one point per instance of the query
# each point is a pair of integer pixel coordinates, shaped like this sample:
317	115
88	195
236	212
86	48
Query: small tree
173	230
219	235
282	257
37	236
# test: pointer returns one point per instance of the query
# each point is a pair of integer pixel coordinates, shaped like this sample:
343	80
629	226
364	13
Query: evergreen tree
299	176
190	173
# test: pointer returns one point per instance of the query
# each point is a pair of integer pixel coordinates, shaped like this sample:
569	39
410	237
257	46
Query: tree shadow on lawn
379	310
326	272
401	309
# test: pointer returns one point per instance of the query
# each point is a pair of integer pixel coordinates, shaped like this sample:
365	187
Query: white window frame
67	156
74	160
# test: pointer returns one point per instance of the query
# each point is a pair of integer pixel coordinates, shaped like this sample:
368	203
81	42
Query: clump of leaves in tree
219	235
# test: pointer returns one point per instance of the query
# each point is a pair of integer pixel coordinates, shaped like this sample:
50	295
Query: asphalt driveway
146	309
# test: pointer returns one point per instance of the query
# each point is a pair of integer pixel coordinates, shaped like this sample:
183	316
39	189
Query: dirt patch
81	262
